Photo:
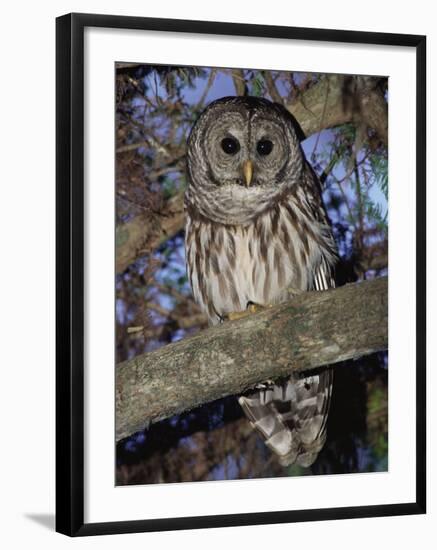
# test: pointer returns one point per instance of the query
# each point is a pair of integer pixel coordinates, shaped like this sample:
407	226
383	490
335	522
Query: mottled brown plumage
256	228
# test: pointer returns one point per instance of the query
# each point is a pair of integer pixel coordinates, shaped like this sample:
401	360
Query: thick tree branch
337	100
312	330
321	106
374	112
144	233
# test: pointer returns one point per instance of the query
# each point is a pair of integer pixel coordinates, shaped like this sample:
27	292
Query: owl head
243	152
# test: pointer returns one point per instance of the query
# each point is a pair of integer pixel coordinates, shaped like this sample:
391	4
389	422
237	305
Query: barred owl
256	230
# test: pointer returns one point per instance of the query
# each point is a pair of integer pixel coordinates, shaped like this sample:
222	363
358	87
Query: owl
256	233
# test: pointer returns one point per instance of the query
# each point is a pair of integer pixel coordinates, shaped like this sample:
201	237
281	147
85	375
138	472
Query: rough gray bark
312	330
321	106
331	103
144	233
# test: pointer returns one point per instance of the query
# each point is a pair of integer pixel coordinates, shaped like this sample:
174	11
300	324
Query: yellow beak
248	171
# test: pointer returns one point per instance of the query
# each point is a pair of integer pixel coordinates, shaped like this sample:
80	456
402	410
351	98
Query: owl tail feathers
275	433
306	457
291	427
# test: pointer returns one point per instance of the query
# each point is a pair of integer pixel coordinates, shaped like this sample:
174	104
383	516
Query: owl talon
256	308
251	308
235	315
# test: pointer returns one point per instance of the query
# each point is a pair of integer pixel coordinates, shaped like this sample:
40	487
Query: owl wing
291	416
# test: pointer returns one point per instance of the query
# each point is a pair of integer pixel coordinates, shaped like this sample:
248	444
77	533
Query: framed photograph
240	274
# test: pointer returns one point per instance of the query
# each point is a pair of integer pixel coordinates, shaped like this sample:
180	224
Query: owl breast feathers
256	228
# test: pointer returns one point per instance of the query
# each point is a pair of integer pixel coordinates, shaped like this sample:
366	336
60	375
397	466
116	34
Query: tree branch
312	330
239	81
271	87
144	234
321	106
330	103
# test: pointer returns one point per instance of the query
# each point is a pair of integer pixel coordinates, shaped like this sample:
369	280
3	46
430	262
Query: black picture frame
70	273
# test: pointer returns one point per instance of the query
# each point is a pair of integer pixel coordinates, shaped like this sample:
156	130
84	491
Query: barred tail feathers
291	416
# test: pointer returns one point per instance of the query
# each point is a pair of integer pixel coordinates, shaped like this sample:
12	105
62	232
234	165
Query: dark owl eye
230	146
264	147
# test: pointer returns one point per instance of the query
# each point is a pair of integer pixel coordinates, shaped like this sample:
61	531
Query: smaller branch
150	142
134	330
345	199
158	309
132	147
322	119
239	81
185	321
208	86
176	294
328	169
359	235
271	87
193	321
182	321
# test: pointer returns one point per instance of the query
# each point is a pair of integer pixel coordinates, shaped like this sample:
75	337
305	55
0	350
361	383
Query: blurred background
344	123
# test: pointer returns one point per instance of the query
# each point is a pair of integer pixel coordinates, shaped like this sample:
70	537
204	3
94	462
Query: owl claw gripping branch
256	227
251	308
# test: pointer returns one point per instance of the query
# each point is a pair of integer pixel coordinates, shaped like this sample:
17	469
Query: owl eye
264	147
230	146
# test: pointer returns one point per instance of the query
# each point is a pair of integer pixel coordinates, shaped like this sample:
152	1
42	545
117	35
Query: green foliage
378	176
257	85
374	212
169	187
379	165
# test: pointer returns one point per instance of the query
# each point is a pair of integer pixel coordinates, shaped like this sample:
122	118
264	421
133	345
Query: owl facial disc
242	153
